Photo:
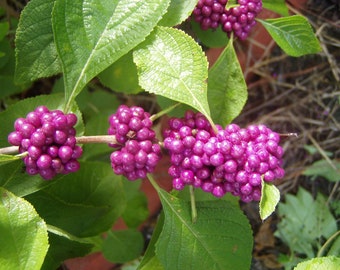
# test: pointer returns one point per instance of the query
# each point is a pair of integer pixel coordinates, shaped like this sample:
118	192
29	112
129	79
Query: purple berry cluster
210	14
137	150
233	160
48	137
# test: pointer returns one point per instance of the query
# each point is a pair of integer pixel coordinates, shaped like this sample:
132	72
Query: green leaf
311	149
121	76
22	107
211	38
123	246
91	35
293	34
227	89
323	263
324	169
153	263
61	249
84	203
172	64
220	239
278	6
150	260
36	54
8	87
94	103
136	210
4	27
269	199
304	221
24	241
178	11
13	178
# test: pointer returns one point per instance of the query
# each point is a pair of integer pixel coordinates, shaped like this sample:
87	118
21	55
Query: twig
81	140
9	150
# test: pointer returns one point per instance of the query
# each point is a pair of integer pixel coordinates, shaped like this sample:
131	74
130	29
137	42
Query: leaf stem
153	182
193	204
165	111
326	244
81	140
60	232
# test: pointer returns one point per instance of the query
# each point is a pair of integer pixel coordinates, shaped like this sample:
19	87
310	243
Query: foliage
304	226
131	47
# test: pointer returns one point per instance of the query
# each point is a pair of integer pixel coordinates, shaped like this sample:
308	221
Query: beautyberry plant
98	54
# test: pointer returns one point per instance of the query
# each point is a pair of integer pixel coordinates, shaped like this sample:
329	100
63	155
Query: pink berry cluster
137	149
233	160
210	14
48	137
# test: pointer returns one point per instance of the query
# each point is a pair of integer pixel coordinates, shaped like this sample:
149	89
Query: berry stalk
10	150
97	139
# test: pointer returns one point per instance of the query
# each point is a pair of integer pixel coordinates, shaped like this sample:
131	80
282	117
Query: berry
48	137
137	150
234	160
211	14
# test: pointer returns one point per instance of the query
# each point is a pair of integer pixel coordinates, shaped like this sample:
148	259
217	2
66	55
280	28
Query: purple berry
44	161
15	138
38	135
72	166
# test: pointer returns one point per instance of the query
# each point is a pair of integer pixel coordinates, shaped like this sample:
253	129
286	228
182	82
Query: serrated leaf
324	169
36	54
84	203
227	89
323	263
123	245
212	38
172	64
24	241
305	221
221	238
269	199
178	11
278	6
293	34
91	35
121	76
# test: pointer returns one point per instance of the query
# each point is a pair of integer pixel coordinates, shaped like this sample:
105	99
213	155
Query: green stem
153	182
326	244
193	205
161	113
60	232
